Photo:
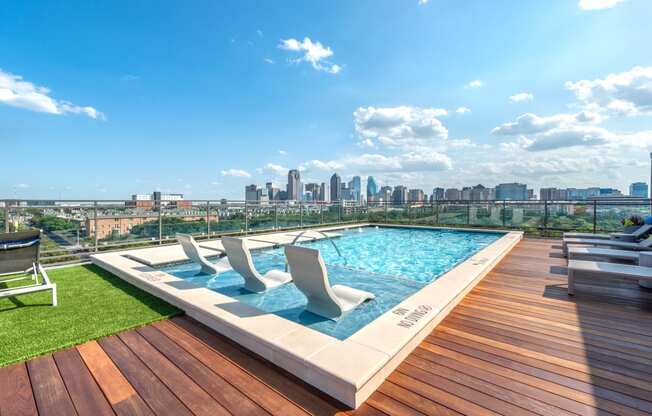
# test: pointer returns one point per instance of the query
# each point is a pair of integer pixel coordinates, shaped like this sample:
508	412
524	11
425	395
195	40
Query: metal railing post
386	219
246	215
437	212
545	218
468	212
339	211
6	216
595	215
300	214
504	211
208	219
321	213
95	225
160	223
275	215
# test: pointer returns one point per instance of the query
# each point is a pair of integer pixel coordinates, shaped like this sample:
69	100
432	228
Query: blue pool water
392	263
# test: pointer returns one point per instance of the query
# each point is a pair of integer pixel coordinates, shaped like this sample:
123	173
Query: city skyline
239	92
342	190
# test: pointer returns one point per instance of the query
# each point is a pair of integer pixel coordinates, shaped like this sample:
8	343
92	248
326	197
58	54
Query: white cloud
274	169
269	61
312	52
415	161
597	4
16	92
476	83
463	110
316	164
423	2
521	97
570	136
259	32
529	123
236	173
624	93
400	126
282	152
21	185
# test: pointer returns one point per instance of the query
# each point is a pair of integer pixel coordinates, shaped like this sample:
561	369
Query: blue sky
107	99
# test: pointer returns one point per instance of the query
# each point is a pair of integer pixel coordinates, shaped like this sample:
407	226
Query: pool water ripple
392	263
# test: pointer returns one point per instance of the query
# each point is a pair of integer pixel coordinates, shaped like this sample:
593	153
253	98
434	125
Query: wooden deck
517	345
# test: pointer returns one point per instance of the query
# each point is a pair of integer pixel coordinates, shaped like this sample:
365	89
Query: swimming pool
430	268
392	263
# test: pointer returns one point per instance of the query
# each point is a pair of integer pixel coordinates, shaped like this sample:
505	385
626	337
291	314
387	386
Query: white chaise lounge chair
191	249
600	269
604	254
240	258
640	233
19	254
645	245
311	278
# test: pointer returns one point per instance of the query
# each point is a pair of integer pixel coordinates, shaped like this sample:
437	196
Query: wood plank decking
516	345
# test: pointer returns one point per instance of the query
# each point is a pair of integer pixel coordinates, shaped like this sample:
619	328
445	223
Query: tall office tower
372	189
252	193
437	194
453	194
355	187
511	191
314	189
294	184
385	194
336	188
272	192
400	194
322	192
345	193
466	193
416	195
638	189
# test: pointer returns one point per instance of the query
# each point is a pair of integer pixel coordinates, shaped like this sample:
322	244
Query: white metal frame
44	285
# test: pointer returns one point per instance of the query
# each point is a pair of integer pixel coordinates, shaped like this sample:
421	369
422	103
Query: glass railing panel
451	213
422	213
614	217
569	216
347	213
485	214
524	215
330	213
261	216
311	214
289	214
398	213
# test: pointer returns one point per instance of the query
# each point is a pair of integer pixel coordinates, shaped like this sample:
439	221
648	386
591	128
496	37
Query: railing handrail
209	218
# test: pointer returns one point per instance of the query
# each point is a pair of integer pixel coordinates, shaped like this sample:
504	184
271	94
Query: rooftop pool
393	263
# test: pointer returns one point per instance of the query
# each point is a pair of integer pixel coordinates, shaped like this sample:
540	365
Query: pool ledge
348	370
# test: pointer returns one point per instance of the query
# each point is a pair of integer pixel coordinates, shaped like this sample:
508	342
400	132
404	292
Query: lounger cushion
350	297
278	276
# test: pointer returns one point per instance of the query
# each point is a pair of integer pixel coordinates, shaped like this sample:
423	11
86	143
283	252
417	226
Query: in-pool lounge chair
311	278
19	254
600	269
645	245
191	249
240	258
642	232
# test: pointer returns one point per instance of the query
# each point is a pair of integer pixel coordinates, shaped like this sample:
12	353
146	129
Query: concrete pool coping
348	370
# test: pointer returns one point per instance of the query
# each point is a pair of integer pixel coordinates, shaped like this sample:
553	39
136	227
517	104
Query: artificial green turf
92	303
